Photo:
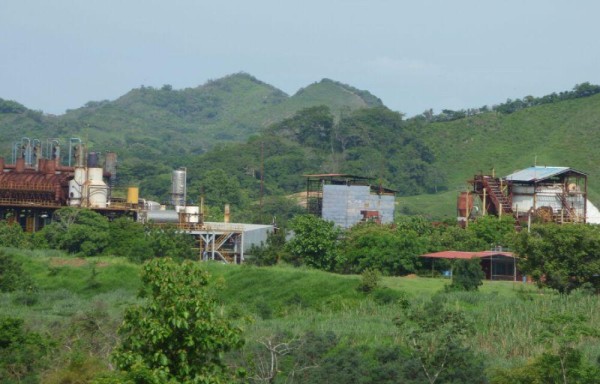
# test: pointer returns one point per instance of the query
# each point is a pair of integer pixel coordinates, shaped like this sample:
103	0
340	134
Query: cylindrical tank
97	189
464	204
178	190
152	205
77	186
133	195
166	216
110	166
192	214
92	159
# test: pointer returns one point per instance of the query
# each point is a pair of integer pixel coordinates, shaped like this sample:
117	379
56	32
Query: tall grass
266	301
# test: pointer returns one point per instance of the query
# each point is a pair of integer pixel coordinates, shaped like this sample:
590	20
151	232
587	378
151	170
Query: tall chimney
226	216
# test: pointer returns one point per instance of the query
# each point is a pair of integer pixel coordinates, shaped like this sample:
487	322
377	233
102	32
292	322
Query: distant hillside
564	133
192	120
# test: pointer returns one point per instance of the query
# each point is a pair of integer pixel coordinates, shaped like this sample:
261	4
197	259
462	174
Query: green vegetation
177	335
562	257
466	275
247	144
322	318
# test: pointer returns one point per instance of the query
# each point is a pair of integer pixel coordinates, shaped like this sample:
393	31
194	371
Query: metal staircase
489	189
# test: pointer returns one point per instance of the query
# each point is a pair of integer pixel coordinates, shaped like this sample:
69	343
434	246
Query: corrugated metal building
347	199
561	191
548	194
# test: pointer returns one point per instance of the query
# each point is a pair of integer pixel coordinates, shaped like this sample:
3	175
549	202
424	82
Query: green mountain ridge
228	109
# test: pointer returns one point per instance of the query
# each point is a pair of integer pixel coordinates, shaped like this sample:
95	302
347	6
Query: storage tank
77	186
178	190
464	204
92	160
192	214
133	195
166	216
97	189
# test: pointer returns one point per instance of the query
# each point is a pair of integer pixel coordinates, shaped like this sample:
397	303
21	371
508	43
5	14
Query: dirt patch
411	276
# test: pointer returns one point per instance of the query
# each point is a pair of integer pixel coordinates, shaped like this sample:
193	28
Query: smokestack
226	216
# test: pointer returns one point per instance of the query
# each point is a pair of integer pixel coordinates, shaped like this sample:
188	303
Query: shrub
370	280
467	275
12	275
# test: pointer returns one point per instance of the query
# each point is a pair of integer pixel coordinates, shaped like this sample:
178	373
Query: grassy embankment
506	315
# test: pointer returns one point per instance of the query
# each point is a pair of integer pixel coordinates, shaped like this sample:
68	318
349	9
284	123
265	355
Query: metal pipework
53	149
79	152
26	150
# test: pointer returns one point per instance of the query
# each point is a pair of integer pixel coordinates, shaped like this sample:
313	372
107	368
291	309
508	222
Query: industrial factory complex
41	179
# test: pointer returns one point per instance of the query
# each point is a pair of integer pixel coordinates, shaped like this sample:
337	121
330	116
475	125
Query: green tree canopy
76	230
315	242
178	334
392	251
562	257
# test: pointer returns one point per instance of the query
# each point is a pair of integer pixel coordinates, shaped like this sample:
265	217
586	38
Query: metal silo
92	160
178	191
110	166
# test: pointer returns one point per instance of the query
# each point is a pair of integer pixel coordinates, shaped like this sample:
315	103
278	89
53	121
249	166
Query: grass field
265	301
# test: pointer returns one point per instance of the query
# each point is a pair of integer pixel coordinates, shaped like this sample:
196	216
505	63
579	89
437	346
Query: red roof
466	255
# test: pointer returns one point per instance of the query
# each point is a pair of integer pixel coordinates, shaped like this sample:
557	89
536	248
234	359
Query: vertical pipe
467	214
242	248
227	214
585	200
484	201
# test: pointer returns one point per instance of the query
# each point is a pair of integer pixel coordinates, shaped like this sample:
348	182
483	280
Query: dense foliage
561	257
392	251
177	334
467	275
22	353
315	242
12	275
87	233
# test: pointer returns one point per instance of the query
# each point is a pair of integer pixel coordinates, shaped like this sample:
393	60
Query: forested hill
188	121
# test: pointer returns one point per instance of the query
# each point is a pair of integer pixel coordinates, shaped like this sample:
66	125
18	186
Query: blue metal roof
536	173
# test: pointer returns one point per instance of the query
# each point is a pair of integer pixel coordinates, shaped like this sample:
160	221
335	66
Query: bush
12	235
12	275
466	275
390	296
370	280
22	353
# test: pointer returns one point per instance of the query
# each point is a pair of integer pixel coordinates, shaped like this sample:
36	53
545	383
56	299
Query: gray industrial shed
349	199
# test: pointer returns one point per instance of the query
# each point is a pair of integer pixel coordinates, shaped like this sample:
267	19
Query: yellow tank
133	195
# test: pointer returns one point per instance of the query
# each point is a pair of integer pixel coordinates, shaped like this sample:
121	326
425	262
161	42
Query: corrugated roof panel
536	173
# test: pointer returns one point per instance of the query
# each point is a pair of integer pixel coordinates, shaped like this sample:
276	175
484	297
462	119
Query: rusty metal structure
34	185
37	183
545	194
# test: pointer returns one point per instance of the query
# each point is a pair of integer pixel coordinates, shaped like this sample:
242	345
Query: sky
414	55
